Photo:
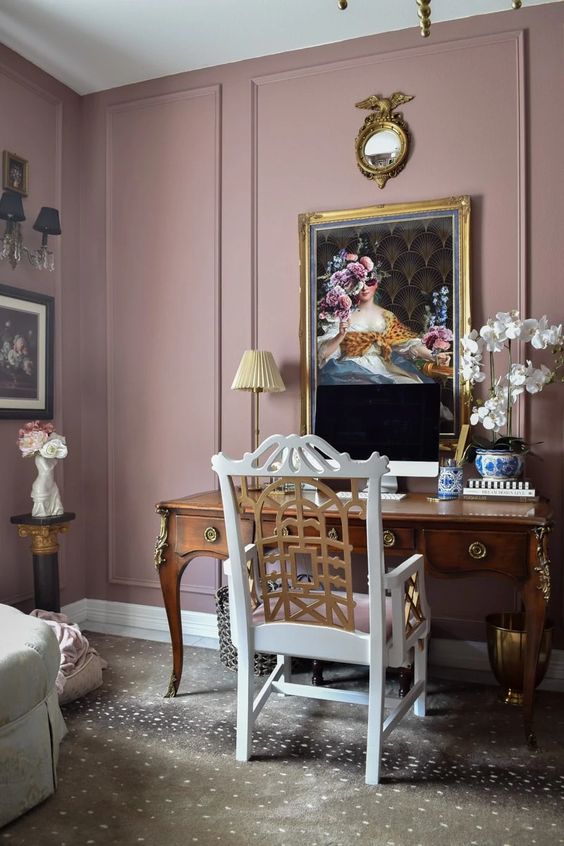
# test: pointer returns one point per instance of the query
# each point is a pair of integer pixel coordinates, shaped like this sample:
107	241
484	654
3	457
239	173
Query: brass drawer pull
333	534
284	533
210	534
389	538
477	550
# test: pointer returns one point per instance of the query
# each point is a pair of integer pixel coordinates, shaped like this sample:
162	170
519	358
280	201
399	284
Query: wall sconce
12	248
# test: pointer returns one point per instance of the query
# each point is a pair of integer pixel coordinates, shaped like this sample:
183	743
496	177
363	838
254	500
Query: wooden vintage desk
458	538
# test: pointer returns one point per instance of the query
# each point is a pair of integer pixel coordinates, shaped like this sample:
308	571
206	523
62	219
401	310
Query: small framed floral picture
26	354
385	300
15	173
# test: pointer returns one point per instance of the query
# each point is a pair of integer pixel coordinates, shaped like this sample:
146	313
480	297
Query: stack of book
499	489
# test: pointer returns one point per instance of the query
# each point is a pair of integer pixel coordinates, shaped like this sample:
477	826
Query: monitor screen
399	421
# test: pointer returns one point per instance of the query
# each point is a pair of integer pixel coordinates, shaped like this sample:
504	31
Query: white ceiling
92	45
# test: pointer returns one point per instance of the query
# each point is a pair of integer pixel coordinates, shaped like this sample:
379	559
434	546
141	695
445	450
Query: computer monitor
399	421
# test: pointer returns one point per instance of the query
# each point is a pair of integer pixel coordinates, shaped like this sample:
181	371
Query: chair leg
405	680
317	672
287	671
420	673
245	721
376	689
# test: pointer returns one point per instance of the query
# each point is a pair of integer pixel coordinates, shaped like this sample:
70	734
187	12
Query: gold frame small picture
15	173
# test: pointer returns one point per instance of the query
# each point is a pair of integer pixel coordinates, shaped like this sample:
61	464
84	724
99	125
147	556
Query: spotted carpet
137	768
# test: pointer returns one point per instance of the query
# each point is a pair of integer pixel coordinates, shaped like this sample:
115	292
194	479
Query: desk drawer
206	534
450	552
397	539
402	540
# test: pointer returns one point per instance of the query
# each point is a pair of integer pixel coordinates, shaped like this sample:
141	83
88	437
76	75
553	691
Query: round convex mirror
382	148
382	143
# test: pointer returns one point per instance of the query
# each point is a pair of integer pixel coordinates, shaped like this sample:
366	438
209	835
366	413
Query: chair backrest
302	569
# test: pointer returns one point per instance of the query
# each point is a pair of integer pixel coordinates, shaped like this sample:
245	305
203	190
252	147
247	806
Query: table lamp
257	372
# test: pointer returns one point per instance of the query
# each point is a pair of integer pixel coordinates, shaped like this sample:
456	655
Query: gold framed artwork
15	173
385	300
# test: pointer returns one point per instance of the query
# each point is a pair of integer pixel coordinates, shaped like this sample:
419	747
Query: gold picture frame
15	173
419	260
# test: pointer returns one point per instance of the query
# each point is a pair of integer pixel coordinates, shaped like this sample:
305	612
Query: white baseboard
467	659
145	621
470	658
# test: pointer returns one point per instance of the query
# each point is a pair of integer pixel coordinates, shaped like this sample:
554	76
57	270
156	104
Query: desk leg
167	565
535	595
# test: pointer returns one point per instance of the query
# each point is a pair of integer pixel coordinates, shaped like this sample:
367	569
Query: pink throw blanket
74	647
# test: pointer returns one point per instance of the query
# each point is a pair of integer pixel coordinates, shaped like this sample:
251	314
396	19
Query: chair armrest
410	610
396	577
250	554
251	558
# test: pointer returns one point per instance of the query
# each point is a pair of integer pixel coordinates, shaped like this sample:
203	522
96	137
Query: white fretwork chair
301	523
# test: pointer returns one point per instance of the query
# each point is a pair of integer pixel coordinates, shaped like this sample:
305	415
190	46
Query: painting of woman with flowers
384	300
362	342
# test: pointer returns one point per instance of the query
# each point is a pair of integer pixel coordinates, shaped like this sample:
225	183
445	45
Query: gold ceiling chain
424	13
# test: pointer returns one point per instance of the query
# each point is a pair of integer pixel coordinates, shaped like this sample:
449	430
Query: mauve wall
40	123
191	187
195	185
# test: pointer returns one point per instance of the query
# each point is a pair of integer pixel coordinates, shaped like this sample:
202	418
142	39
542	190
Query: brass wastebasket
506	649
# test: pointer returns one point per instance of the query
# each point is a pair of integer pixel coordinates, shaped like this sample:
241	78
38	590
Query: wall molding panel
154	112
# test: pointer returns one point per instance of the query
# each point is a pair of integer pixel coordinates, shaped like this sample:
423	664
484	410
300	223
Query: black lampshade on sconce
11	207
11	246
48	221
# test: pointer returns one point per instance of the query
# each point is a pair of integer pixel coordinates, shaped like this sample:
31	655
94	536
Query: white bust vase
44	491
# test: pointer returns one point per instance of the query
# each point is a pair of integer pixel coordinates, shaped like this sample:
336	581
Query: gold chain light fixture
424	13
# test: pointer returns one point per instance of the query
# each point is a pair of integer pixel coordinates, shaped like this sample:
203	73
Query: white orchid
544	336
537	378
491	414
471	369
507	325
472	343
494	339
496	336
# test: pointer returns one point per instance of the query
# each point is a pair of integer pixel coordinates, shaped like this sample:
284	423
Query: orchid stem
492	383
509	408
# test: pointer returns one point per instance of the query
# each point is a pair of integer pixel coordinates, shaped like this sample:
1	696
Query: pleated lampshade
258	372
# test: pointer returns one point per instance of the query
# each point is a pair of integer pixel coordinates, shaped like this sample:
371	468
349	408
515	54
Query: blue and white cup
451	482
